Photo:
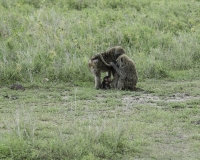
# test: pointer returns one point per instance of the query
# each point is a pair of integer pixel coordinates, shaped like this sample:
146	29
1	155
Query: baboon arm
117	70
104	60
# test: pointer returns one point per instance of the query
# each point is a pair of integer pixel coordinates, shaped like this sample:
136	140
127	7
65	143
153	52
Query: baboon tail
104	60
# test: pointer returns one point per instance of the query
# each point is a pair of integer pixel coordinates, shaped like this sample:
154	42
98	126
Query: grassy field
60	121
45	46
55	39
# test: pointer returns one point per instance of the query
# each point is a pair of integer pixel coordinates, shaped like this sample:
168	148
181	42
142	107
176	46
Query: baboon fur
125	77
106	84
100	63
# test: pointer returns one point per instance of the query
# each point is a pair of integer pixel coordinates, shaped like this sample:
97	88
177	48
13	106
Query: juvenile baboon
106	83
100	63
126	75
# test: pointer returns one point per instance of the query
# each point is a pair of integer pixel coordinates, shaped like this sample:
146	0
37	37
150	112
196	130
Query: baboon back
126	77
109	56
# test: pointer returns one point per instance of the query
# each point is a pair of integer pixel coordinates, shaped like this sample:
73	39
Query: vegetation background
54	39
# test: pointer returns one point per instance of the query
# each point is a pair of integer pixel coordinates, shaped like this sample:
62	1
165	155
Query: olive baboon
99	62
126	75
106	83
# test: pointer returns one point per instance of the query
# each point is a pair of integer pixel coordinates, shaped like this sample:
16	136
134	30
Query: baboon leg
115	81
120	84
97	80
109	73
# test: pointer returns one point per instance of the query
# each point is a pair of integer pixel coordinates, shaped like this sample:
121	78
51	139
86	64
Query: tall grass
55	39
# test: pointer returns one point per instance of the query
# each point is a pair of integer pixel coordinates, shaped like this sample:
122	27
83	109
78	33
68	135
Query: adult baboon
126	77
100	63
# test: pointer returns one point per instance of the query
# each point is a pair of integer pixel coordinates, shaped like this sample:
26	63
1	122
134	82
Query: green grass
55	39
45	46
59	121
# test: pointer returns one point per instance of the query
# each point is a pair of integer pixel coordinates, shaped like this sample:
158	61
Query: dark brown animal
106	84
126	76
100	63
